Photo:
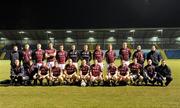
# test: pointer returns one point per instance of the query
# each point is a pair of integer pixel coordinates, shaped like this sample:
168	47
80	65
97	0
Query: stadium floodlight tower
68	31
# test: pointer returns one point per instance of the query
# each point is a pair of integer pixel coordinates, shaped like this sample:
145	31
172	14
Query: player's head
135	60
95	61
110	47
61	47
83	62
55	63
123	62
50	45
163	62
70	61
73	47
17	63
15	48
85	47
26	46
30	62
111	64
124	44
139	47
149	62
153	48
98	47
38	46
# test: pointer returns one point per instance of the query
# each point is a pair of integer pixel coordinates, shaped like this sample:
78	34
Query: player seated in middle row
70	72
96	73
135	69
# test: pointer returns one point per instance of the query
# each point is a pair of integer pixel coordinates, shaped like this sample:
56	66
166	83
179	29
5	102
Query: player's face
61	48
83	62
26	47
98	47
38	46
70	61
150	62
153	48
51	46
110	47
139	47
73	47
125	45
163	62
17	62
15	48
85	47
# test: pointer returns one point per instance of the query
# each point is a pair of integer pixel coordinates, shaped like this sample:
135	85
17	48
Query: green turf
91	97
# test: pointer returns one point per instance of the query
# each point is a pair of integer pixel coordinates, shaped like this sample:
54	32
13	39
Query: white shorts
50	64
101	64
76	65
62	66
39	65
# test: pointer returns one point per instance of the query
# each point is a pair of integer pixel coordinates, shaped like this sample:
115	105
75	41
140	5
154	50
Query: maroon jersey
140	56
135	68
110	56
61	57
26	55
112	70
56	71
123	70
125	54
38	55
44	70
70	69
95	70
85	69
50	51
98	55
32	69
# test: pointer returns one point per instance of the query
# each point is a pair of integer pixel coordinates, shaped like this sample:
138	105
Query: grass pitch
91	97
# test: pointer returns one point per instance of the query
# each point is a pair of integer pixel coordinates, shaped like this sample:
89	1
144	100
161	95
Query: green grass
91	97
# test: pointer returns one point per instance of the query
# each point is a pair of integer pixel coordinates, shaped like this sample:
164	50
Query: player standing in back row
73	54
110	55
50	54
85	54
125	53
98	55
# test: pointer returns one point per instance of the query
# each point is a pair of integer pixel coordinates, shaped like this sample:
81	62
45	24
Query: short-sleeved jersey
123	70
74	55
125	54
135	68
26	56
110	56
61	57
85	55
38	55
70	69
32	69
56	71
140	56
95	70
44	70
50	51
98	55
150	70
84	69
112	70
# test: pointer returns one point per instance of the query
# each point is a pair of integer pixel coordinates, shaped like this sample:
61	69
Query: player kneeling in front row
43	73
96	74
164	73
112	76
70	72
123	70
56	75
17	74
84	73
150	73
135	69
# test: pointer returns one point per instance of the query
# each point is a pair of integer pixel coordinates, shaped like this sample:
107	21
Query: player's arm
46	54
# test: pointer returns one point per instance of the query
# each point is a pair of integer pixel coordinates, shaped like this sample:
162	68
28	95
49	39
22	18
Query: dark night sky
75	14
